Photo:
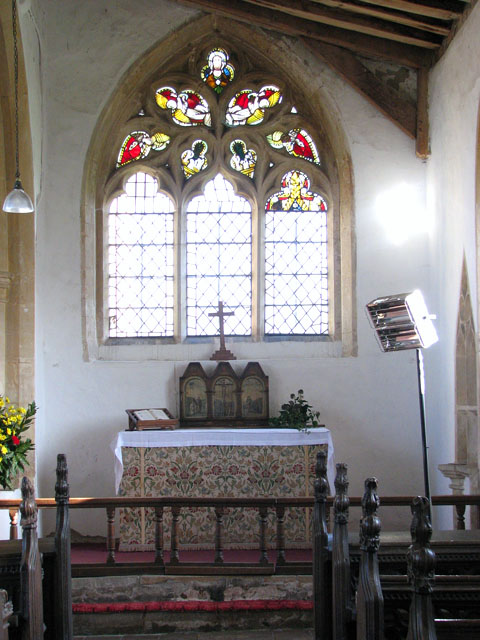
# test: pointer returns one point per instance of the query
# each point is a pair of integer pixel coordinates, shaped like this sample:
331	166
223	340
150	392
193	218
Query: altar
228	462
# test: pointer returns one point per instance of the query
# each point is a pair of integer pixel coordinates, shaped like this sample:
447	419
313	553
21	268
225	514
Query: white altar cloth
221	437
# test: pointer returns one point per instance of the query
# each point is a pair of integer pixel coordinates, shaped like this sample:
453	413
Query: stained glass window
137	145
194	159
140	261
214	254
296	273
297	142
248	107
219	260
243	159
188	107
218	72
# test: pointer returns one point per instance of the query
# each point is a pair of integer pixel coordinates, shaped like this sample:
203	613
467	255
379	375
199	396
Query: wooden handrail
123	501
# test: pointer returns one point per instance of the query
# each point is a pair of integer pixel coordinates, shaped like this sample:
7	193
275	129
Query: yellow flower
7	399
9	432
3	449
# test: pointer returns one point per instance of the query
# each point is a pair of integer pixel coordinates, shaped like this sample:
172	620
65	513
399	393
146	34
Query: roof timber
425	23
345	20
366	45
444	10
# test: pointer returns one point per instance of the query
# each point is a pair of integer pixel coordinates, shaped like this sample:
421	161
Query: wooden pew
6	612
37	573
427	592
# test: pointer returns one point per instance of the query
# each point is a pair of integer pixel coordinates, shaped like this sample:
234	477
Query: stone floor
288	634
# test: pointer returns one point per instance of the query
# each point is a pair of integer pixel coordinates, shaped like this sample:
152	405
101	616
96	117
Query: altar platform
219	463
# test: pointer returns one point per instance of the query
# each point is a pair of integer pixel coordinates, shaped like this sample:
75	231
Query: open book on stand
150	419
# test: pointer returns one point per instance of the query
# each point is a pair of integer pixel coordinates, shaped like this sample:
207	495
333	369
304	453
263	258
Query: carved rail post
460	509
31	597
219	511
280	513
262	513
321	573
369	594
6	611
63	567
421	573
174	557
110	535
342	596
13	513
159	536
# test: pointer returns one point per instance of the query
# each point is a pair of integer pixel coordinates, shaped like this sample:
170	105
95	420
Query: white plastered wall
454	104
369	402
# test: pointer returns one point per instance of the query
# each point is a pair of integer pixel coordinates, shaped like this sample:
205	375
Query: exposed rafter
408	33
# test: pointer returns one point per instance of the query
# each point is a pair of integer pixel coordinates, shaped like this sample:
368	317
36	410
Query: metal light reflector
402	321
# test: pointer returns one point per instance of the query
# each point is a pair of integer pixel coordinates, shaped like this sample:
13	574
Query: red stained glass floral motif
248	107
297	142
138	144
188	107
218	72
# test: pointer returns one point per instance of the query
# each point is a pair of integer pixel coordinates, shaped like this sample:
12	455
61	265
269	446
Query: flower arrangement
296	414
13	446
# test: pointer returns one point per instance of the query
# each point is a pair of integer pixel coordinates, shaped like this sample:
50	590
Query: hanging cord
15	67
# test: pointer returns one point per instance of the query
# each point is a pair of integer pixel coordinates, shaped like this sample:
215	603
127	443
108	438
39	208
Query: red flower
15	440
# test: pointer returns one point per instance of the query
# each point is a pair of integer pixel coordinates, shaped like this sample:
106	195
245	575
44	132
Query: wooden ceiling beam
398	110
409	20
362	44
308	10
444	10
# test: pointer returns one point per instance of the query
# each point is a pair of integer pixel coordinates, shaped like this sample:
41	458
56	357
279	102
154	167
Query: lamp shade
402	322
17	201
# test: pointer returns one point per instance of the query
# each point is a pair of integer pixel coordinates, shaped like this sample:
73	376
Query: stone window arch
250	125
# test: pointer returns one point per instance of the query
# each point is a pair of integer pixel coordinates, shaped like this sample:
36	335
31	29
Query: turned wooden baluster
280	513
219	513
13	514
262	513
369	594
342	596
6	611
421	573
110	535
31	596
159	536
321	564
460	509
63	568
174	557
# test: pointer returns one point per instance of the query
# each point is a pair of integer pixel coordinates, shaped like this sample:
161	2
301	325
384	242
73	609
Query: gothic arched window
217	193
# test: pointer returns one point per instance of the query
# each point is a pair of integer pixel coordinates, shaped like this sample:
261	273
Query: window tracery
259	243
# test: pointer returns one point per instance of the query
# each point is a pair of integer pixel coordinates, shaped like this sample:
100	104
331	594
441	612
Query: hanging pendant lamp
17	201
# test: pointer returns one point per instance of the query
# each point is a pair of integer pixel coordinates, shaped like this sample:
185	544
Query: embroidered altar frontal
223	470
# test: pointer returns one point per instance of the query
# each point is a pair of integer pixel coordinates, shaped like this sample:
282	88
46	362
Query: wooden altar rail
13	504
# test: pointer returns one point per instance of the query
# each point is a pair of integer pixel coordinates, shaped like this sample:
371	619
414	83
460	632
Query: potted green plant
296	414
14	421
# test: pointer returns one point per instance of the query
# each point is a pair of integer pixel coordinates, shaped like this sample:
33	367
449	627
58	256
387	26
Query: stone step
254	634
127	625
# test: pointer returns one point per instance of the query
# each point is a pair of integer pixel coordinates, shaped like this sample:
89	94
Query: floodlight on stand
402	322
17	201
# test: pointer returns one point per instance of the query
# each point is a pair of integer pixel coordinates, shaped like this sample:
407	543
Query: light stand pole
402	322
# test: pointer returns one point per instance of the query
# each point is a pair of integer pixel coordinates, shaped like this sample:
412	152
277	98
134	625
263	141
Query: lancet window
217	193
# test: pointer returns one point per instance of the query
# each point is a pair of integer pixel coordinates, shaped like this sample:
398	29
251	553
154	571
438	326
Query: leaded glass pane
248	107
138	144
219	260
243	159
297	142
140	261
218	72
188	107
296	270
194	159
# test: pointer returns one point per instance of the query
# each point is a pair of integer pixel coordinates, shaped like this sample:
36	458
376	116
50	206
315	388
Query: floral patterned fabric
220	471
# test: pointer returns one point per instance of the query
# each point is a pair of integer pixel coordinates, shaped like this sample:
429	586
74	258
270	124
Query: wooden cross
223	353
